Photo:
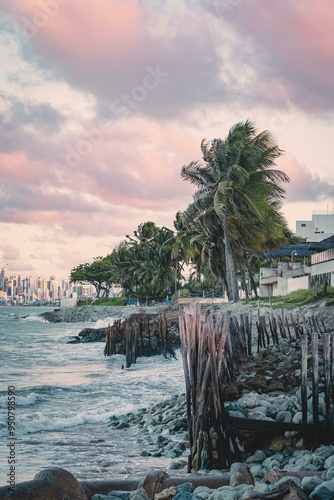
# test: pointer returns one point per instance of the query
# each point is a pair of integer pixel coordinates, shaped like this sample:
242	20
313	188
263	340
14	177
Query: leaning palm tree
236	180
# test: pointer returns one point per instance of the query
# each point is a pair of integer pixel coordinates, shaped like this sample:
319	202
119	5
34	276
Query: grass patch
84	302
109	301
297	298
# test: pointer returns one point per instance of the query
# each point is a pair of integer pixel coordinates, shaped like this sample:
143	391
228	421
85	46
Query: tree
238	182
96	273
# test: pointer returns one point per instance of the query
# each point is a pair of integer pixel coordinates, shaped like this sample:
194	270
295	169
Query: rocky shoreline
93	313
281	463
267	389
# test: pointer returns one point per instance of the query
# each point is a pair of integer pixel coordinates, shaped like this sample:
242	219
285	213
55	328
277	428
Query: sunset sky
103	102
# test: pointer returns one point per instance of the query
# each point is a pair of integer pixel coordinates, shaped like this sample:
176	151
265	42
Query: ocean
56	399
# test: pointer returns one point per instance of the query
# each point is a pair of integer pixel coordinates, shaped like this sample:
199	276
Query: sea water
64	395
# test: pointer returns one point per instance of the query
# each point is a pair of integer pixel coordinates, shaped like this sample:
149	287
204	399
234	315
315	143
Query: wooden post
315	388
203	341
128	359
304	348
327	375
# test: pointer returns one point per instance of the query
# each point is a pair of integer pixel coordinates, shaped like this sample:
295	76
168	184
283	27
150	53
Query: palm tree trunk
251	278
231	275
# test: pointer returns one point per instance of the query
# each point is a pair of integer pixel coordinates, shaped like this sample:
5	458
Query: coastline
276	466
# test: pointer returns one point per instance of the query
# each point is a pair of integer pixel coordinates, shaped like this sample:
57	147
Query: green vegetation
295	299
218	239
109	301
238	198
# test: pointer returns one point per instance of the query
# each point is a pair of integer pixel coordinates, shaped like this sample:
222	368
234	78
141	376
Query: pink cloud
113	48
303	185
10	253
296	47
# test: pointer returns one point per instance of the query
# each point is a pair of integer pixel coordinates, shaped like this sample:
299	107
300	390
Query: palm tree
236	180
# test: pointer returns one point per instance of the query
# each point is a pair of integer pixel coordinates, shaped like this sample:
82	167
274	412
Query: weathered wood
304	349
327	375
203	341
315	386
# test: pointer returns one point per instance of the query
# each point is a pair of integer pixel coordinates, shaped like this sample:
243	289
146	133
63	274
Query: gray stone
202	489
178	464
177	424
310	483
185	487
294	479
54	483
328	474
223	495
160	439
257	458
250	400
324	491
261	488
139	494
124	424
329	462
184	495
284	416
124	495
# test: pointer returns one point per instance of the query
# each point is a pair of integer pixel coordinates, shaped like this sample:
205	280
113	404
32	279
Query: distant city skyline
21	289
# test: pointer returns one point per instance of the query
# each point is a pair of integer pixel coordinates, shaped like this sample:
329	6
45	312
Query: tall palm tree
236	180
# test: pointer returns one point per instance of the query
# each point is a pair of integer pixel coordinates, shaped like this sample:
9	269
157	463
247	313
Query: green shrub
109	301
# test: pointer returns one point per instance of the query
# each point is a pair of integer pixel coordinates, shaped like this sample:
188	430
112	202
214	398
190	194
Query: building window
303	225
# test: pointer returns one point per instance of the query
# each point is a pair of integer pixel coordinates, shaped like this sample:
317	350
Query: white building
320	227
287	278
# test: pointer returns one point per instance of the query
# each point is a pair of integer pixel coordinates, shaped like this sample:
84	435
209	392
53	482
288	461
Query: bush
109	301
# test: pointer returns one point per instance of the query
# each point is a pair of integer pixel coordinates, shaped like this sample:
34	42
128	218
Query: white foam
103	323
35	317
53	421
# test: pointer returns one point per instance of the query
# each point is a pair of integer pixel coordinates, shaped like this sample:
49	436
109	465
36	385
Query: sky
102	102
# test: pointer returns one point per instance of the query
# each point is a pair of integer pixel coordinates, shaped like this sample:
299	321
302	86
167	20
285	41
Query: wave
34	317
104	323
54	421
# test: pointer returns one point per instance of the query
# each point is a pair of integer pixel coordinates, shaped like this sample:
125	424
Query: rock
278	443
285	490
275	386
166	494
123	495
178	464
184	495
152	482
177	424
242	475
93	334
328	474
329	462
223	495
309	483
202	489
124	424
284	416
324	491
139	494
185	487
250	400
257	458
52	483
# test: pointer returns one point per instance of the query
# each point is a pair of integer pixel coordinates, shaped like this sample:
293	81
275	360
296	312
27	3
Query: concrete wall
288	285
66	303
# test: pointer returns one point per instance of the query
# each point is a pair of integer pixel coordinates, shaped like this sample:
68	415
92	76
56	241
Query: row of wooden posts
213	346
135	336
212	349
